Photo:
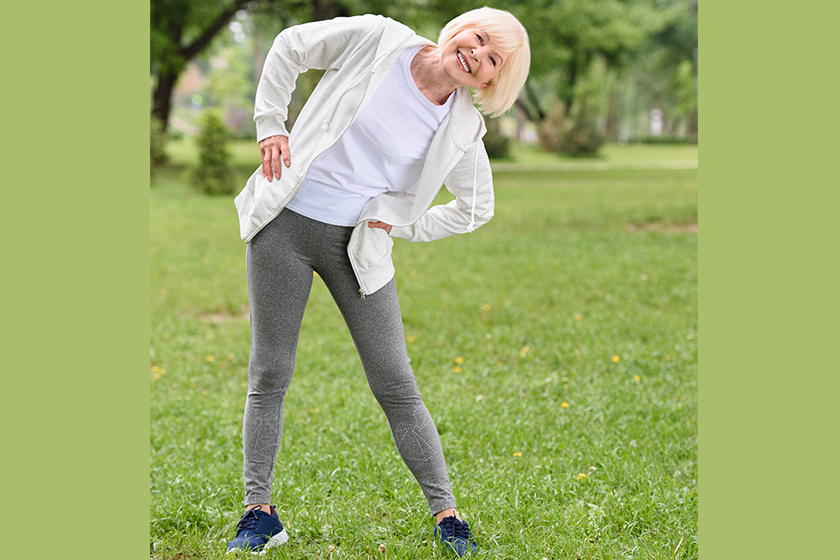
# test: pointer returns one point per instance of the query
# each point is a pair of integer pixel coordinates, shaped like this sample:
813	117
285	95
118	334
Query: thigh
375	324
279	269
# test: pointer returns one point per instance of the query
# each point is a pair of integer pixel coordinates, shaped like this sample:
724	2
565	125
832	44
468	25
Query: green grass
575	268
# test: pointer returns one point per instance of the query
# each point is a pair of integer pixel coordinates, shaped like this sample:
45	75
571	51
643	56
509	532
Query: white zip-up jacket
356	54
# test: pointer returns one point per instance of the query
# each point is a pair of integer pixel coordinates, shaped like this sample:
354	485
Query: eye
493	60
480	39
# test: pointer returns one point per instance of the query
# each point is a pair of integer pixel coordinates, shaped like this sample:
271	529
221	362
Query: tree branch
189	51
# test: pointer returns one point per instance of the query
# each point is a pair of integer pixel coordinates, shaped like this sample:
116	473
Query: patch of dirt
219	318
656	226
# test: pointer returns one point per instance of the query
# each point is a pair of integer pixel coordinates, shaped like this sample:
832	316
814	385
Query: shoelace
454	528
249	521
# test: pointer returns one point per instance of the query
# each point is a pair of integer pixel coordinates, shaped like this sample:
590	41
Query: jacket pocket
369	250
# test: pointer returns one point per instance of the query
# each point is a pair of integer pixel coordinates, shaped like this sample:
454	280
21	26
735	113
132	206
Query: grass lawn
246	153
556	349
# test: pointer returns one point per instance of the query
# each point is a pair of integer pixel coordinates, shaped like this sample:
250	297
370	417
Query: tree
180	30
566	36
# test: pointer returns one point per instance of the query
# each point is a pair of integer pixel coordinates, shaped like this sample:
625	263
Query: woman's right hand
271	150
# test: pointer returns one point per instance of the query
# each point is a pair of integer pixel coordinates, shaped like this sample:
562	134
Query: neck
430	77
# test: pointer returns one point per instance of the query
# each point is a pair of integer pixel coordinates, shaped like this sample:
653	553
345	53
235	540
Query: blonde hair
511	38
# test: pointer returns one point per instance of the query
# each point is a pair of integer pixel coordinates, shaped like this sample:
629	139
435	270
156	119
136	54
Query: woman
391	120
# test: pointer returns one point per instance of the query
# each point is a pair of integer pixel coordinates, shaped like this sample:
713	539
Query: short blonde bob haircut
510	37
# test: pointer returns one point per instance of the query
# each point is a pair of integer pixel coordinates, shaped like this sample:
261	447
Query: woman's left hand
380	225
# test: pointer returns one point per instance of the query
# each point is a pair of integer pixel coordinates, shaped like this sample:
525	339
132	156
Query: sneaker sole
280	538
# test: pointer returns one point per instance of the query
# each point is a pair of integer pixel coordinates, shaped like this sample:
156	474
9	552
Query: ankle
439	516
264	507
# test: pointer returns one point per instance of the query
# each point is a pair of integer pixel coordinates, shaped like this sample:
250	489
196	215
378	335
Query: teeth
463	62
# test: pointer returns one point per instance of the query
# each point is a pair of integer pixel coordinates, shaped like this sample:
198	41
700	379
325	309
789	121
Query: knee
396	393
269	379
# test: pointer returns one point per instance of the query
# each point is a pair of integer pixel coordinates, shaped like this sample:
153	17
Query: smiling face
471	59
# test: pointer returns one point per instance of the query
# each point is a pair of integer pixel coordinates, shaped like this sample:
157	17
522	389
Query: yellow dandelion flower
458	370
157	375
486	307
412	338
230	356
209	358
578	317
564	405
517	454
526	349
155	368
616	358
192	385
459	360
637	378
580	476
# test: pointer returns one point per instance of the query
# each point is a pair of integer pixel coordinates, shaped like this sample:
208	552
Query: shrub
577	135
213	174
157	144
548	132
497	146
583	137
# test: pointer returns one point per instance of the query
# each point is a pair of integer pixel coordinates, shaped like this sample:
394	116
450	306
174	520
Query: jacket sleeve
471	181
316	45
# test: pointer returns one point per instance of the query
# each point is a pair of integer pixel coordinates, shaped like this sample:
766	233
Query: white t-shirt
383	150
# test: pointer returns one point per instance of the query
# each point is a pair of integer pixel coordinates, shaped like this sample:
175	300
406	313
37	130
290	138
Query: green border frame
74	408
768	291
75	397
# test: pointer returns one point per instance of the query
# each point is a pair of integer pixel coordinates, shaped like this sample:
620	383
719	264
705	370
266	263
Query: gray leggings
280	262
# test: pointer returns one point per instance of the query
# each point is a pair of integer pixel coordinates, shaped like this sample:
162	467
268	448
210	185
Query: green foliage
213	174
684	89
178	23
566	36
497	145
157	144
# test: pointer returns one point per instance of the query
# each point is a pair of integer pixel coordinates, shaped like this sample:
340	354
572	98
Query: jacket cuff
271	128
402	232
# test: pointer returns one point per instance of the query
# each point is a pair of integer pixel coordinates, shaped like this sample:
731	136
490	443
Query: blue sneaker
455	536
258	531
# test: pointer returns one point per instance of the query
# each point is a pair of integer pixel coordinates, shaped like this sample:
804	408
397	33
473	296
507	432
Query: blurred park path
592	165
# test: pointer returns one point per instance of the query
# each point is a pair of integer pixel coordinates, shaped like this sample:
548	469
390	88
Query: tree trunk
568	97
162	100
327	9
535	103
